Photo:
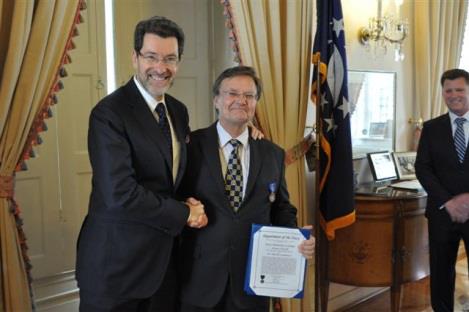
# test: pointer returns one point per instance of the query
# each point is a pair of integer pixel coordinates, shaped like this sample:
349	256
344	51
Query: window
464	61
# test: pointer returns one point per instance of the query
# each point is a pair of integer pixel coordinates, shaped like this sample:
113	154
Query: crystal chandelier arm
399	40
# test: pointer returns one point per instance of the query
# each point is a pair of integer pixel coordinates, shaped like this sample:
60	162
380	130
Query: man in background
137	148
240	181
442	167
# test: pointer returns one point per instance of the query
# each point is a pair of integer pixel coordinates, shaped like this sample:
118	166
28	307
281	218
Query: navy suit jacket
126	240
438	169
212	255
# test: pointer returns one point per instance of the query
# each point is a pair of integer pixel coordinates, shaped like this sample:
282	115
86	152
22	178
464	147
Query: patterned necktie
234	177
164	125
459	139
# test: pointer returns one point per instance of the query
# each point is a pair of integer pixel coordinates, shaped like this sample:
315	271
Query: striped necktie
234	177
459	138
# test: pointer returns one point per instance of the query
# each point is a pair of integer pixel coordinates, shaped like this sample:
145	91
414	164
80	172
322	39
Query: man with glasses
240	181
137	147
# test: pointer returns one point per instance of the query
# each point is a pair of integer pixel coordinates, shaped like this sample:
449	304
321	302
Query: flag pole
333	205
317	215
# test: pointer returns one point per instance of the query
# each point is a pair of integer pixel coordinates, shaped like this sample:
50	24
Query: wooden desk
386	246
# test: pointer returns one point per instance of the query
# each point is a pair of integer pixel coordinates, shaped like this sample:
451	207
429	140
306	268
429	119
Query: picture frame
405	164
382	166
377	129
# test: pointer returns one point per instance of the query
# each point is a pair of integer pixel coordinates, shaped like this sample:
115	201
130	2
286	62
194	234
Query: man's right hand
458	208
197	217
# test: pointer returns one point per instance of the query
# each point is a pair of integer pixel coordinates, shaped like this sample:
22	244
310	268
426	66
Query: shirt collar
149	99
224	136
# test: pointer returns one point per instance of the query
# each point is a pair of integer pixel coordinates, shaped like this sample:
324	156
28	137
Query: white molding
350	296
57	293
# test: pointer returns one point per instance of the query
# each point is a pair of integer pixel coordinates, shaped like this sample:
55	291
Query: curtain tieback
6	186
299	150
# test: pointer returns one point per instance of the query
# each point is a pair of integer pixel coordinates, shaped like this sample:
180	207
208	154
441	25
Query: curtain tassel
67	59
63	72
54	99
82	5
7	186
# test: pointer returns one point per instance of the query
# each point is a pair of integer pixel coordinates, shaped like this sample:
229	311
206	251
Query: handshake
197	217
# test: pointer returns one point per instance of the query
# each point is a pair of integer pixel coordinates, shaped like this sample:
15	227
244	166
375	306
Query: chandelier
385	32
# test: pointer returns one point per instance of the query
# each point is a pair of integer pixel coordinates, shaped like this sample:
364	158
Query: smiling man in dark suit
442	167
137	147
240	181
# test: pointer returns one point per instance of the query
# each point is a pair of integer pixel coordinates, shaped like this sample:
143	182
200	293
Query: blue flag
336	170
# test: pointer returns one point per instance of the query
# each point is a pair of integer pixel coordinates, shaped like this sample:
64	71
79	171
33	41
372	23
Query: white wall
356	15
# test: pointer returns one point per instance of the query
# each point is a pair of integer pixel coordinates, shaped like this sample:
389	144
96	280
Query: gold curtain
437	47
274	37
33	38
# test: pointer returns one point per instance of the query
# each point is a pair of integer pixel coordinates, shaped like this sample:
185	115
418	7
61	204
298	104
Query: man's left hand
306	247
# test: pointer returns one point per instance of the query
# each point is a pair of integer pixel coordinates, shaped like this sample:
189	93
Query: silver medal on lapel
272	189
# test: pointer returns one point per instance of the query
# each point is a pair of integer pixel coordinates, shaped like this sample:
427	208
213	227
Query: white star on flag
345	107
338	26
330	124
324	100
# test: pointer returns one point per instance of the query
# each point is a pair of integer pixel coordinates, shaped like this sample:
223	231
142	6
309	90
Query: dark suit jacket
126	239
438	168
219	251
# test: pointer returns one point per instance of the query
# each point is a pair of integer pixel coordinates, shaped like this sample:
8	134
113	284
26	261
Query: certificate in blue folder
275	267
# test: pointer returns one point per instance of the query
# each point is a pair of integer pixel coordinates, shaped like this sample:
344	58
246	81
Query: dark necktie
459	139
164	125
234	177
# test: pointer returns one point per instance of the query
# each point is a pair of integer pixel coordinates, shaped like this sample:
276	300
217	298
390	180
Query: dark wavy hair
160	26
454	73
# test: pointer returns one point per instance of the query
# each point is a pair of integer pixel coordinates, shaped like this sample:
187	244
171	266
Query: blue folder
255	228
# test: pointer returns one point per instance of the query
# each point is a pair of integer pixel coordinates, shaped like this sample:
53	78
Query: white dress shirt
452	117
152	102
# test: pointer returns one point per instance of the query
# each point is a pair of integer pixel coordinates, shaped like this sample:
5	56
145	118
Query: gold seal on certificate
275	267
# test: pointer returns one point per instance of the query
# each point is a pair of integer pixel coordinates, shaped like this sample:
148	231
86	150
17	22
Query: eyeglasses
153	59
232	95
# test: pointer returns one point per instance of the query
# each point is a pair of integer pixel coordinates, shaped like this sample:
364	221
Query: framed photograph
382	166
377	129
405	164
